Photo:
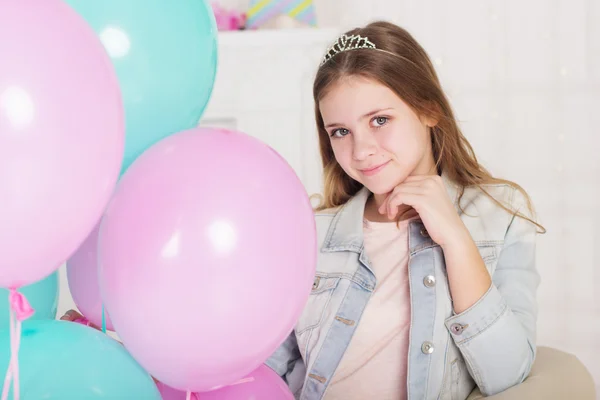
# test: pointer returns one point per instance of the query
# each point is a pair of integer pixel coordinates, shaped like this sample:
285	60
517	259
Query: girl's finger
400	198
410	187
383	207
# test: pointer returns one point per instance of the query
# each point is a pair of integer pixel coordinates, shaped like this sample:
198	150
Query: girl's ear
430	120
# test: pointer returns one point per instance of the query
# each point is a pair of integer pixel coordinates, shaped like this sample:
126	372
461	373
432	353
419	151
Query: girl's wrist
459	241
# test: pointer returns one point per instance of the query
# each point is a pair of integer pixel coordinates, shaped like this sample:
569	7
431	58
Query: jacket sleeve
496	335
283	361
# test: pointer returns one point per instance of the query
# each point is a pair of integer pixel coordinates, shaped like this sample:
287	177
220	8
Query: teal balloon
69	361
165	56
42	295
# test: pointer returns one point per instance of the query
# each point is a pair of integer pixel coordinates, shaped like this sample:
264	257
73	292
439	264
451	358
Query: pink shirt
375	363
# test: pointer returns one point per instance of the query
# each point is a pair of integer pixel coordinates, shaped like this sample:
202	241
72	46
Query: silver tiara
345	43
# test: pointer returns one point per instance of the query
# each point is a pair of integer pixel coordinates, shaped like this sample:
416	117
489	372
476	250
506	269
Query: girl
426	276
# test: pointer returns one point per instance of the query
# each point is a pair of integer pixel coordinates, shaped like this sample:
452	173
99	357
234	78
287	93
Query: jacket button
424	233
429	281
316	283
457	329
427	347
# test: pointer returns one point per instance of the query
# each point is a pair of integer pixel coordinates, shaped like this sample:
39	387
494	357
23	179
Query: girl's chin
379	189
381	186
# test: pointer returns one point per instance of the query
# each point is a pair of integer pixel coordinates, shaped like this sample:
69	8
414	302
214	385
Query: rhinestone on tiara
346	43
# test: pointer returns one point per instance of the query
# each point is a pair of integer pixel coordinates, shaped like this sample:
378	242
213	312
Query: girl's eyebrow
367	115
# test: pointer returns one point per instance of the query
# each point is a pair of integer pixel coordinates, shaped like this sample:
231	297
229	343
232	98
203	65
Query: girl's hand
428	196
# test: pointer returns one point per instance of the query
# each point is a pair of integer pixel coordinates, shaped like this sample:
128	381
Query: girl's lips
373	170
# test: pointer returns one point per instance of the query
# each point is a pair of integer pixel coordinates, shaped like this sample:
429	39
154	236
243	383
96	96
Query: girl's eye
340	132
380	121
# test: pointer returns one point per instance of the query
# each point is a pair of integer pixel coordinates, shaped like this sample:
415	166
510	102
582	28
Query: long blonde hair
402	65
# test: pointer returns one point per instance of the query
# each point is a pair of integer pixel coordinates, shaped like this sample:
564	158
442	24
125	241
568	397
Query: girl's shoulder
317	201
328	212
489	195
481	211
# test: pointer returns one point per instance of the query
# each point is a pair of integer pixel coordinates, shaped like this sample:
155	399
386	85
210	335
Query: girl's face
376	137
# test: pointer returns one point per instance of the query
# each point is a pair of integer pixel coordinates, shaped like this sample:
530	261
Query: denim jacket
491	344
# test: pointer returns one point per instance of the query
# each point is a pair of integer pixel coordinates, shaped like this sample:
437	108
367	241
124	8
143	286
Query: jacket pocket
487	252
317	303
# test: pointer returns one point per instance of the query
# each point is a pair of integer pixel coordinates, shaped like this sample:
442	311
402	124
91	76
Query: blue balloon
66	360
165	55
42	295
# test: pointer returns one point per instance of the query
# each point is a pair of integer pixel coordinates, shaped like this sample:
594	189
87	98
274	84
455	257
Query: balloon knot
20	306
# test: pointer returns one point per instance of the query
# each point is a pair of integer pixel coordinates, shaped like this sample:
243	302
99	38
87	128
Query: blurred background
524	80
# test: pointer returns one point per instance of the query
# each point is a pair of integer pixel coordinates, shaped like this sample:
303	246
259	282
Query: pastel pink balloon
168	393
61	136
82	275
207	257
262	384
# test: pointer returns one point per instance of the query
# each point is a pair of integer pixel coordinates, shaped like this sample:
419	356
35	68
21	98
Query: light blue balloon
42	295
165	55
66	360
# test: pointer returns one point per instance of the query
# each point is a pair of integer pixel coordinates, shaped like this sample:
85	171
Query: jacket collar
346	229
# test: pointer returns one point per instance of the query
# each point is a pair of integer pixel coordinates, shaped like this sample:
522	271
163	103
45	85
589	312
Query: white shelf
277	37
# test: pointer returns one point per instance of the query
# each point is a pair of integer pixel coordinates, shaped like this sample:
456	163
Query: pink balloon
262	384
207	257
168	393
61	136
82	275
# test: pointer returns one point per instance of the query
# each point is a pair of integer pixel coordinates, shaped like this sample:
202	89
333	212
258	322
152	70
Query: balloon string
20	310
103	320
8	376
16	360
